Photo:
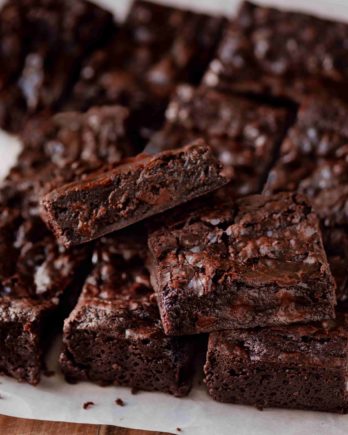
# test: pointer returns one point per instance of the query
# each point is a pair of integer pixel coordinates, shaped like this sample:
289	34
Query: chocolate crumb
178	429
134	391
88	405
119	402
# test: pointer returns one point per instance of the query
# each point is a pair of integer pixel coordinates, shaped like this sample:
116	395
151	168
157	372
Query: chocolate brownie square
49	39
114	335
132	191
313	159
258	261
244	134
301	367
157	47
39	283
279	53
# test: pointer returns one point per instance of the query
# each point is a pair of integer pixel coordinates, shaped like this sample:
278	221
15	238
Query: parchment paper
197	414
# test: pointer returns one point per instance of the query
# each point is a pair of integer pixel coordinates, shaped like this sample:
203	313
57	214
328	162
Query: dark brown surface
284	54
19	426
313	159
256	262
131	191
114	335
157	47
302	367
244	134
43	44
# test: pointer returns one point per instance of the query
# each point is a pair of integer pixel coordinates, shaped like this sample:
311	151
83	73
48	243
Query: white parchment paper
197	414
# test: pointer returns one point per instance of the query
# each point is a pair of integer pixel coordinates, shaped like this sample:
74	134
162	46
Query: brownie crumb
88	405
178	429
119	402
134	391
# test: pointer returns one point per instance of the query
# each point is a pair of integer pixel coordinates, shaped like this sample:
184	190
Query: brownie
336	247
65	147
244	134
313	159
279	53
49	39
39	282
114	334
39	279
157	47
296	366
132	191
258	261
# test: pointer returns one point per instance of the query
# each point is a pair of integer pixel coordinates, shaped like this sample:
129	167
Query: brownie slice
39	283
244	134
157	47
132	191
302	367
313	159
256	262
63	148
49	39
284	54
39	279
114	335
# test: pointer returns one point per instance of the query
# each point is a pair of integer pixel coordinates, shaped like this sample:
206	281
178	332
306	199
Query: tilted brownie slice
157	47
280	53
302	367
244	134
49	39
131	191
114	335
313	159
256	262
39	284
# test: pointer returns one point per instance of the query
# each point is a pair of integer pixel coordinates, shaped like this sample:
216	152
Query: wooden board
21	426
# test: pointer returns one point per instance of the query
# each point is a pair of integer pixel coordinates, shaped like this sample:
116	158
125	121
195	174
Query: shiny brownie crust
256	262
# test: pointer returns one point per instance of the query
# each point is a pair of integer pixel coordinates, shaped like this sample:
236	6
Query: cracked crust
257	262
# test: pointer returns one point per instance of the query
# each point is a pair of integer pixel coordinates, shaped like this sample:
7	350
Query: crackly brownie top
323	344
36	266
258	241
54	36
264	40
156	47
64	147
243	133
313	159
117	294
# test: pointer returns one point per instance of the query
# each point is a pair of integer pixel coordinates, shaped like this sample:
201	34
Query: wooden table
21	426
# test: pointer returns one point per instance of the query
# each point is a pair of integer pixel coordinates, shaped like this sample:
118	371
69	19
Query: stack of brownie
181	175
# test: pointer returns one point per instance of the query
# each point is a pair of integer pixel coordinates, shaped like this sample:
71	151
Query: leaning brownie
157	47
244	134
280	53
39	282
132	191
302	367
313	159
49	40
114	335
256	262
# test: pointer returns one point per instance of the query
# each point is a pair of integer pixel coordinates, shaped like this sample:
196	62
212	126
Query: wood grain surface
21	426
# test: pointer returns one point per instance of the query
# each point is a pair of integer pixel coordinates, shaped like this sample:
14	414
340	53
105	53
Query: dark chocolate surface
256	262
